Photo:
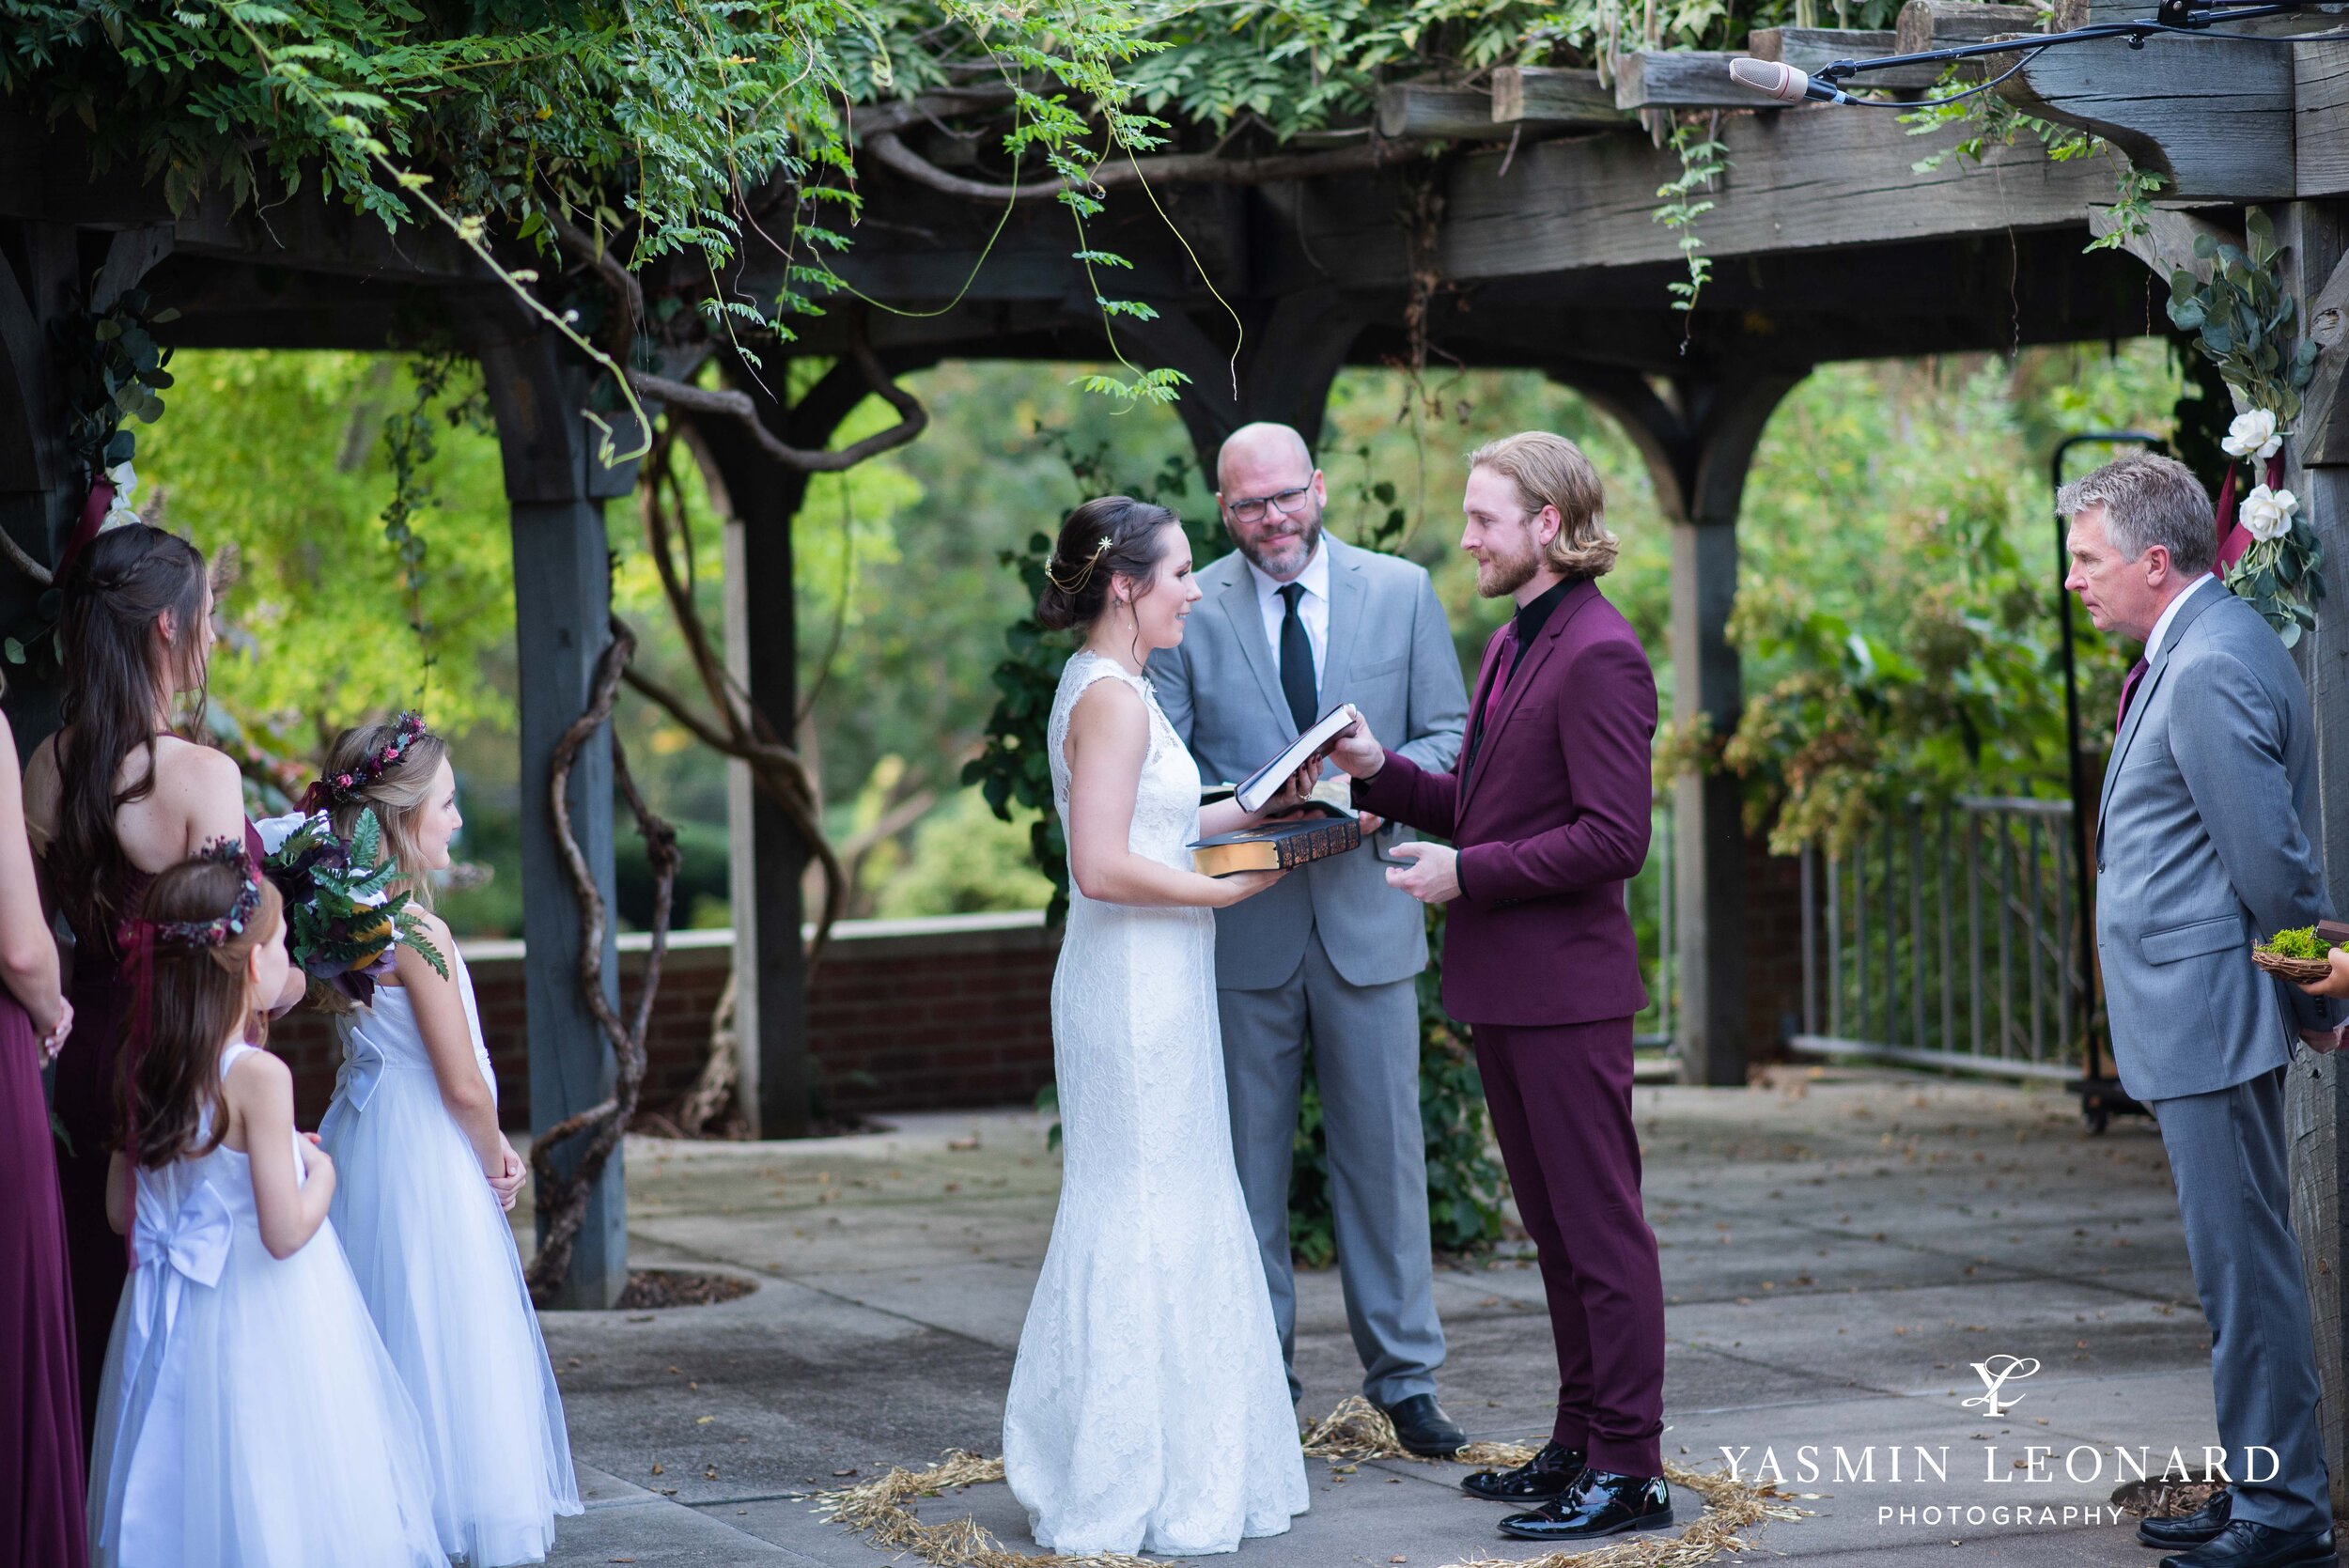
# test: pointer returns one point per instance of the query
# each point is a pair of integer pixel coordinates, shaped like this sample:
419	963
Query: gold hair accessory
1084	574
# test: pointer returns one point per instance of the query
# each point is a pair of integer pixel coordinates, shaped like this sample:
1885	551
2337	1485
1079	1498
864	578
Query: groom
1294	622
1548	813
2203	844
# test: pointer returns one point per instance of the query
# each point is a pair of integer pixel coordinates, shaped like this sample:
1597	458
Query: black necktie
1297	661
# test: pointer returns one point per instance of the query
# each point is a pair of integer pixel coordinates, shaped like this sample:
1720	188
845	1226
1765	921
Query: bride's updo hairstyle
1109	537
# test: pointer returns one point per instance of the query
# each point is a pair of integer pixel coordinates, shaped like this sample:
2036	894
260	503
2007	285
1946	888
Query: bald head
1259	446
1271	497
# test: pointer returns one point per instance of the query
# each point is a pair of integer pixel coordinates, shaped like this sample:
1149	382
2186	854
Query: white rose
124	479
2268	514
2252	435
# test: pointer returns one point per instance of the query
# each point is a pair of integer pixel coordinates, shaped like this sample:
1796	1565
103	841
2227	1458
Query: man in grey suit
1294	622
2206	843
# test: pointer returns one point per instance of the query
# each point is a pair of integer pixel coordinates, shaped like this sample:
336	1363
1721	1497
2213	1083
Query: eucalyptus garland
2247	324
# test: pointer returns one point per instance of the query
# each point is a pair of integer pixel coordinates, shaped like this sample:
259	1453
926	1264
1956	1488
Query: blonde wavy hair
1551	471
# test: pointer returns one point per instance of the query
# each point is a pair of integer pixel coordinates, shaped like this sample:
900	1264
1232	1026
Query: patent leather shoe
2245	1545
1422	1428
2183	1531
1600	1502
1547	1475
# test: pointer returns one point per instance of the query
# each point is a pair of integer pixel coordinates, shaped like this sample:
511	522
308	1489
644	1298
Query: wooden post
2316	237
1697	446
555	486
40	483
759	498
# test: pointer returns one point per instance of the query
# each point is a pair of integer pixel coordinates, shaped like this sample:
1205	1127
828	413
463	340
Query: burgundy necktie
2128	690
1504	655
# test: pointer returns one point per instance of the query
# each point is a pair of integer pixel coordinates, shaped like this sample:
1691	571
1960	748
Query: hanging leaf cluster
2245	323
113	371
2244	320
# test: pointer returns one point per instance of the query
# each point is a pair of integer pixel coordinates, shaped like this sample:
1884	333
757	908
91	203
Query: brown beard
1508	576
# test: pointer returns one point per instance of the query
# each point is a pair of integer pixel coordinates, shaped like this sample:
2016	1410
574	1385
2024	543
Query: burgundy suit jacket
1551	819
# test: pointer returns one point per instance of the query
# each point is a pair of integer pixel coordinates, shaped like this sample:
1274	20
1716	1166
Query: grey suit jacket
2205	842
1390	654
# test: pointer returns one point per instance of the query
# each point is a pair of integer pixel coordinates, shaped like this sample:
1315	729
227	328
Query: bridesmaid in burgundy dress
112	799
40	1418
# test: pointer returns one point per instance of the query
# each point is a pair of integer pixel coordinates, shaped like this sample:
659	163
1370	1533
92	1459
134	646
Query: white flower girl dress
248	1416
435	1259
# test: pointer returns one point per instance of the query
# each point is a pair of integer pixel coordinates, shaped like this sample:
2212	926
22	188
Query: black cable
2135	33
1936	103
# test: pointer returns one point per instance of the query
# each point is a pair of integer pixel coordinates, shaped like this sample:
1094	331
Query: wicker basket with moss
2298	955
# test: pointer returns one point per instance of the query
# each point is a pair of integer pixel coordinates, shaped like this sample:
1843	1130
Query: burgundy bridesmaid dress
40	1425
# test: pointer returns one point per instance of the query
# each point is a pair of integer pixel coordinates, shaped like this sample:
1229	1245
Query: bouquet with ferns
342	921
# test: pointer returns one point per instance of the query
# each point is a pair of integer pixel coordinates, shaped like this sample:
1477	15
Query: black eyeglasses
1290	502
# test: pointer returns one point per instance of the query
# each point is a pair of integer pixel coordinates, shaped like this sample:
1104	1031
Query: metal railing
1947	936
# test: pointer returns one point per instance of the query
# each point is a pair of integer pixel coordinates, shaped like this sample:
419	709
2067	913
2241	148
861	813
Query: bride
1149	1409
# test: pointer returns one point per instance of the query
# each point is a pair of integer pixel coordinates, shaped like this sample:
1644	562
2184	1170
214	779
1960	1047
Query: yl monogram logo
1995	1374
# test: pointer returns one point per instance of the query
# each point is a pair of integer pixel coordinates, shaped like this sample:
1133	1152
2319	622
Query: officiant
1293	622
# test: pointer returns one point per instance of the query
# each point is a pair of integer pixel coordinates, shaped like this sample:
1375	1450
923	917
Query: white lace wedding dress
1148	1407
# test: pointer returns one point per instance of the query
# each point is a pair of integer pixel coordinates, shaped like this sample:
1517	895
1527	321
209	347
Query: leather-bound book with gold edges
1282	846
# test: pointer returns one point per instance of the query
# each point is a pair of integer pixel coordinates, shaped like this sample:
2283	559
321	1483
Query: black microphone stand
2171	18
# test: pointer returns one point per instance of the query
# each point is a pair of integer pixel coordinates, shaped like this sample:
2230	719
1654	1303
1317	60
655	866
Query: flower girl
425	1175
248	1415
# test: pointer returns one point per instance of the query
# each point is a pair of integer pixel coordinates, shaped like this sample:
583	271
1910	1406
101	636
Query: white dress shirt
1313	608
2160	633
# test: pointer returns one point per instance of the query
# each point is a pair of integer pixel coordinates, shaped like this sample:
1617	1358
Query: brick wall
917	1014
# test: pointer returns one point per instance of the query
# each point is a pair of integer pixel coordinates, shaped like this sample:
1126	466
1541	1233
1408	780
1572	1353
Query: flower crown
197	934
342	789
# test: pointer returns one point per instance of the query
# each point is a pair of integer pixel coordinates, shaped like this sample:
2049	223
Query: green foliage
1991	120
2299	944
1896	601
1704	159
2244	320
2246	325
963	860
280	461
118	373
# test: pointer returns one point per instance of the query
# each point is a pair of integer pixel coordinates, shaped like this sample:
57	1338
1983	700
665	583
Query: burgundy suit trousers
1561	1101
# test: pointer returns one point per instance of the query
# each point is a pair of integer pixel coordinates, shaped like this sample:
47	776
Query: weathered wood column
1699	443
2316	272
759	497
556	487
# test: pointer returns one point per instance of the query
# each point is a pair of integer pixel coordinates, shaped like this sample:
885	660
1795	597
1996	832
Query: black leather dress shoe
1600	1502
2245	1545
1547	1475
1422	1427
2185	1530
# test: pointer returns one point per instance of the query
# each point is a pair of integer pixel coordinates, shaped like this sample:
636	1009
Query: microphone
1775	79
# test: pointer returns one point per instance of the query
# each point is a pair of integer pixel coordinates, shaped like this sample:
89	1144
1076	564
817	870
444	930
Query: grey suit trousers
2228	1155
1365	1043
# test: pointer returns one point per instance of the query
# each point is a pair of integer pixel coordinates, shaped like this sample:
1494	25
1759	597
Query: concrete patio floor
1840	1246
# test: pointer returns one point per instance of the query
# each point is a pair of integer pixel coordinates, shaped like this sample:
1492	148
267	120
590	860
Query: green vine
2246	325
1998	123
410	444
1704	159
